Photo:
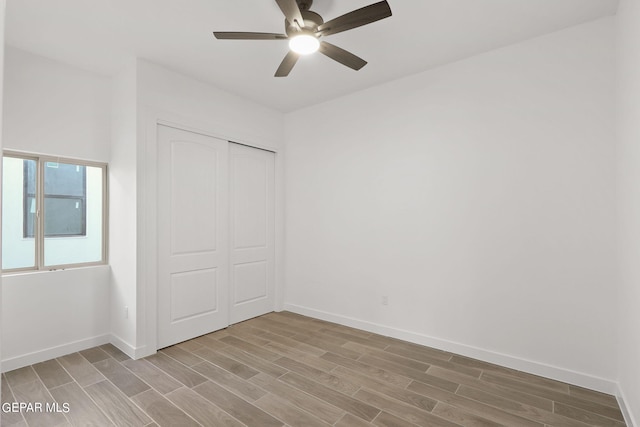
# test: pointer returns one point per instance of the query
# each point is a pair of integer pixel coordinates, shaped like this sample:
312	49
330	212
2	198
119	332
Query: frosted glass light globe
304	44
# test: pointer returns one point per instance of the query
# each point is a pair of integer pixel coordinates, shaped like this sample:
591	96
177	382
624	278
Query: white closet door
252	210
193	240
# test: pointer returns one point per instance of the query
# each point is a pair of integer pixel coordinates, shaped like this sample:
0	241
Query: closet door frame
147	272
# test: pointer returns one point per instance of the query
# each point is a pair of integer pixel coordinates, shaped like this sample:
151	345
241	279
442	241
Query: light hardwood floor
286	369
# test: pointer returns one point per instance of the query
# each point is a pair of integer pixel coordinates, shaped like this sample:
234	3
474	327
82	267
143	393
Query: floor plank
95	354
402	410
288	342
256	363
154	377
200	409
231	382
121	377
21	376
594	396
317	407
114	352
426	359
288	412
528	399
82	411
9	418
353	406
331	344
410	373
52	374
235	406
162	411
352	421
224	362
585	416
395	392
183	356
177	370
472	406
517	408
36	392
116	405
83	372
368	370
301	356
250	348
462	417
385	419
588	405
329	380
418	365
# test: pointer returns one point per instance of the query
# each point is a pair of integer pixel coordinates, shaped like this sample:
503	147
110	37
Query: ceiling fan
304	28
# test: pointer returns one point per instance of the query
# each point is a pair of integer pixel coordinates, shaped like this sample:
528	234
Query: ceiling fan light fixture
303	28
304	44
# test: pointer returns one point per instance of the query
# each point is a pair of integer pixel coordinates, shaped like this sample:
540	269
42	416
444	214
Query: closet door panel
252	210
193	224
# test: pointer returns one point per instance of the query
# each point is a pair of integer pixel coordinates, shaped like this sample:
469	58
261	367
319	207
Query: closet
216	233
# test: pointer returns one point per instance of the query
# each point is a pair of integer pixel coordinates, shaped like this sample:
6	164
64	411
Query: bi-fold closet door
215	234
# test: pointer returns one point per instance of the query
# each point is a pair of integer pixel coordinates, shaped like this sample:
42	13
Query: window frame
39	237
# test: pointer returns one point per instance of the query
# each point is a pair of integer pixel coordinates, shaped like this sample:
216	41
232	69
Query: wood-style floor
286	369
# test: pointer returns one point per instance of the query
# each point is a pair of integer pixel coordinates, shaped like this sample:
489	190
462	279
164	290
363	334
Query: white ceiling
102	35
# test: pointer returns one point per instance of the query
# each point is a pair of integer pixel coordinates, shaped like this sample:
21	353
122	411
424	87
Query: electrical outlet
385	300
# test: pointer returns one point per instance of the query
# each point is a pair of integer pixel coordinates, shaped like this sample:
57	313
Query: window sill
55	270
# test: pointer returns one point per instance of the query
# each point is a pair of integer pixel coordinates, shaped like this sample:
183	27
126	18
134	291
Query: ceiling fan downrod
304	4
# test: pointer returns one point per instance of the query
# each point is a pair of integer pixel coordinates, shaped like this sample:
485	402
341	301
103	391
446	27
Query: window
53	212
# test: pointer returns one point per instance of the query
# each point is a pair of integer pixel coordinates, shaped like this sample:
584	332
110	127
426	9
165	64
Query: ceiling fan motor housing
311	23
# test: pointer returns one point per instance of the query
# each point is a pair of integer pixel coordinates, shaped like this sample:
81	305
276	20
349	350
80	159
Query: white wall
628	55
123	209
51	108
171	98
479	197
49	314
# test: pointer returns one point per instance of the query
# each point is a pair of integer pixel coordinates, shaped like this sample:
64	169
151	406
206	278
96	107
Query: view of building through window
65	196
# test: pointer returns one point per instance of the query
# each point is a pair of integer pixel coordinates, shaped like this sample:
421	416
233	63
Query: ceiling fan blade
357	18
287	64
230	35
291	11
342	56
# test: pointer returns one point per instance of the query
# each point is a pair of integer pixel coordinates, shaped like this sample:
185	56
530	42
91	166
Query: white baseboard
626	413
524	365
51	353
61	350
128	349
123	346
